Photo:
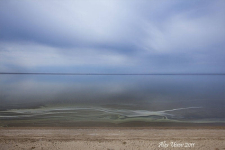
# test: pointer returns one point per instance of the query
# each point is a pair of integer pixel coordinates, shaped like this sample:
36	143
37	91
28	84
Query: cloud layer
112	36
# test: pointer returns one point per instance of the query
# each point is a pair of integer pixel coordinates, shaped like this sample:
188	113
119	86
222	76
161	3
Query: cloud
137	36
32	55
74	24
187	30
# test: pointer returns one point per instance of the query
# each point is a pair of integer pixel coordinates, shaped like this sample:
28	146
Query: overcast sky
112	36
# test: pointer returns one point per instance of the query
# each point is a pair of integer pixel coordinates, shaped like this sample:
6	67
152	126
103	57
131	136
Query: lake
61	100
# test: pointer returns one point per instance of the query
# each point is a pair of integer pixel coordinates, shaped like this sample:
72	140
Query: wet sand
112	138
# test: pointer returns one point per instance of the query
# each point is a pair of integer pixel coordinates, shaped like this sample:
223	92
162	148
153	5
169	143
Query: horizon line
54	73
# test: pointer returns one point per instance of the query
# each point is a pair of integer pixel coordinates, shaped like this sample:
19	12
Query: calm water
58	99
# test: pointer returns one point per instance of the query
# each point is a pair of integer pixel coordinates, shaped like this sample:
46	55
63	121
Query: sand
112	138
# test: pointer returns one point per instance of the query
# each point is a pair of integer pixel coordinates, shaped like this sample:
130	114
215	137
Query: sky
112	36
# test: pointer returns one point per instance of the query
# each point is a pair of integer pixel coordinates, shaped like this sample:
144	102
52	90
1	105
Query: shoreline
95	124
118	127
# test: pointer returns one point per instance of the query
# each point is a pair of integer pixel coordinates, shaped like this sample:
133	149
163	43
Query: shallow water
51	99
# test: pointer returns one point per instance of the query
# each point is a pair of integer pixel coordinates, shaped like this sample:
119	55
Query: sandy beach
39	138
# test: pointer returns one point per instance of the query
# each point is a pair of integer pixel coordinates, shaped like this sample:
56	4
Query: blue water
61	99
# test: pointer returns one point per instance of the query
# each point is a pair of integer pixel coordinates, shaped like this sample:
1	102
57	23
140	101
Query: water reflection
110	98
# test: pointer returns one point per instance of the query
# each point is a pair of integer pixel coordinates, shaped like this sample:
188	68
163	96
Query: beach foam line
21	113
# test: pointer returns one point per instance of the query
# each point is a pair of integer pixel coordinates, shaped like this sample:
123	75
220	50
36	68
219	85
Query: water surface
61	99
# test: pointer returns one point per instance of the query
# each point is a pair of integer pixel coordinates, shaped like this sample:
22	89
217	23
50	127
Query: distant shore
113	138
